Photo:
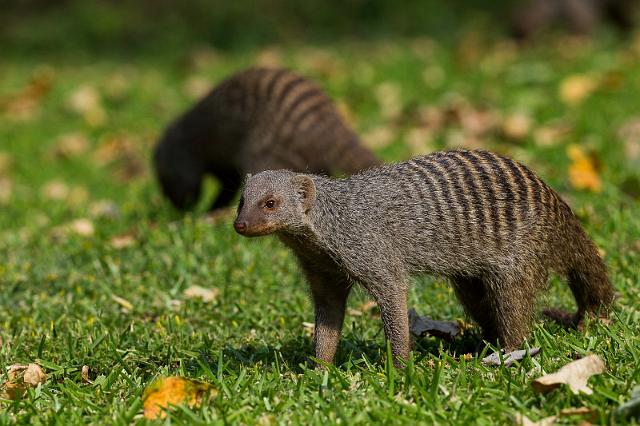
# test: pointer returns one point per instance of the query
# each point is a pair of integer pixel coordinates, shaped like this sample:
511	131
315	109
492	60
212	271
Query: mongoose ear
306	189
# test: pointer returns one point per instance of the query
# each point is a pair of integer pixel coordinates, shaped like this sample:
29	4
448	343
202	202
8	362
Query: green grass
57	288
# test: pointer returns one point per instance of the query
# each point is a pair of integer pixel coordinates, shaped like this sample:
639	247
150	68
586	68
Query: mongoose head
179	175
275	201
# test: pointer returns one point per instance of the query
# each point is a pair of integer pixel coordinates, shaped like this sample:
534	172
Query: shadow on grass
296	354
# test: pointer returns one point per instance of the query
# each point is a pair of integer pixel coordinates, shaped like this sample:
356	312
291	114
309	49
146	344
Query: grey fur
486	222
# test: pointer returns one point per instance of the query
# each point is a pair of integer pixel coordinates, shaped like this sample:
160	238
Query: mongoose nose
240	227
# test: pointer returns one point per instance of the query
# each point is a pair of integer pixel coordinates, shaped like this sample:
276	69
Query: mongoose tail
585	271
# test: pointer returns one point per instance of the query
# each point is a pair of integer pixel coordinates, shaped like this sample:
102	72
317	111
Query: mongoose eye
270	204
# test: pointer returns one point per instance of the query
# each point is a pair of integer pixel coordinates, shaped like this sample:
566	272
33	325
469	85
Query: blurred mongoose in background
486	222
256	120
578	16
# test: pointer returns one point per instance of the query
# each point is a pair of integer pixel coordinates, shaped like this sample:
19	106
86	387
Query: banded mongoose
578	16
486	222
256	120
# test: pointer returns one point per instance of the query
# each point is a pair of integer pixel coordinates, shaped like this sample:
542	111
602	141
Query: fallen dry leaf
86	102
309	328
508	358
420	326
20	378
575	374
25	105
206	294
85	374
122	241
516	126
6	160
583	174
629	133
126	305
55	190
197	87
576	88
550	135
70	145
389	102
271	57
6	189
522	420
104	209
367	306
83	227
167	391
420	141
378	138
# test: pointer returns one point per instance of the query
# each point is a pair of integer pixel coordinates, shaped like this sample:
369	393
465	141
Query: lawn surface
94	263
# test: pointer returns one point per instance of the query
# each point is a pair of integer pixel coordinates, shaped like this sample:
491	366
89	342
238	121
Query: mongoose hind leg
470	292
510	299
329	293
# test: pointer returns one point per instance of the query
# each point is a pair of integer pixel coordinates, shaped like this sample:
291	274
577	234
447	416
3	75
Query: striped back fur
256	120
487	222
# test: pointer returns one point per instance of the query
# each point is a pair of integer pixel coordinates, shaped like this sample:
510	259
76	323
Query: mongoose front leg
392	300
330	295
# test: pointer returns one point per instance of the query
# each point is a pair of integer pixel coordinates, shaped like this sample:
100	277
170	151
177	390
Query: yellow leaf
576	88
167	391
582	170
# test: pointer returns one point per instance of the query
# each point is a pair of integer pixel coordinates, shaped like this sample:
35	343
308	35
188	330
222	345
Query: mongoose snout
486	222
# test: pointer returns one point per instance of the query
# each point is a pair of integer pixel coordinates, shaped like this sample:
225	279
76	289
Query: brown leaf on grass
319	61
516	126
20	378
104	209
6	160
583	174
55	190
70	145
83	227
309	328
389	100
378	138
122	241
508	358
629	133
85	374
197	87
420	141
206	294
24	106
126	305
270	56
576	88
575	374
124	153
419	326
367	306
87	102
6	190
522	420
170	391
203	57
550	135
